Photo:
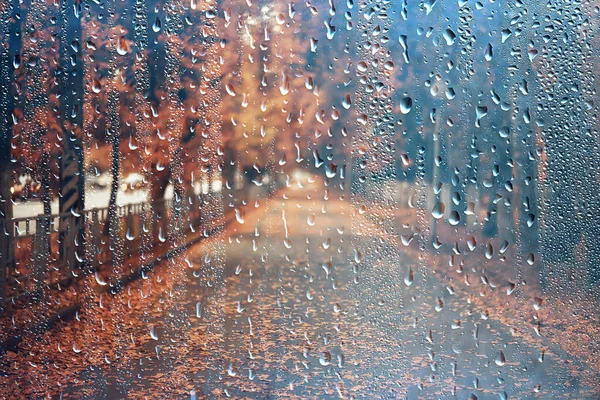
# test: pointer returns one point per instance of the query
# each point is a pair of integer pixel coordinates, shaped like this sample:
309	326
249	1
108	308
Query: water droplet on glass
96	86
438	210
406	105
122	46
157	25
325	358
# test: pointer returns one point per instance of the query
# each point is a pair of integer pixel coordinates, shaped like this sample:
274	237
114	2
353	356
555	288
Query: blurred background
320	199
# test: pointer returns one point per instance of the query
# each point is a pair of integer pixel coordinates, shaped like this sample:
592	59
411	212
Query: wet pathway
282	305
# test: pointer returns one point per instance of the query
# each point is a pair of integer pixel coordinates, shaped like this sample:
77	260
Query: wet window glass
299	199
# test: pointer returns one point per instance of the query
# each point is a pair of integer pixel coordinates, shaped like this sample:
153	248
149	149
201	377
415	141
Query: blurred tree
9	56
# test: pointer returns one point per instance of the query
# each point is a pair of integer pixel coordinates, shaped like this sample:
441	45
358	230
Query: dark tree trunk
157	56
112	223
72	178
45	181
46	192
10	47
158	185
159	179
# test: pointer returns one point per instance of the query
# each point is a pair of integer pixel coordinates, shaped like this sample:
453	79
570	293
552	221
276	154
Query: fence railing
43	252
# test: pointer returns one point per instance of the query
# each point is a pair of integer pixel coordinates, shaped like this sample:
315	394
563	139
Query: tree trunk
70	115
158	185
10	47
229	168
111	227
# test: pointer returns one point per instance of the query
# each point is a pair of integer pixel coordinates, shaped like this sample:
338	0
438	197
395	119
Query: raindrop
500	359
96	86
330	29
313	45
99	280
449	36
230	89
489	52
438	210
409	278
454	218
357	256
239	215
406	105
347	102
122	46
284	88
439	304
480	112
157	25
325	358
153	333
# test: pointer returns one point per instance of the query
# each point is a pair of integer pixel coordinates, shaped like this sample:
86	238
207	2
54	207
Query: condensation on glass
311	199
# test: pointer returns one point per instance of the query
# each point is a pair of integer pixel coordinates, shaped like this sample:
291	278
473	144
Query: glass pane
319	199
